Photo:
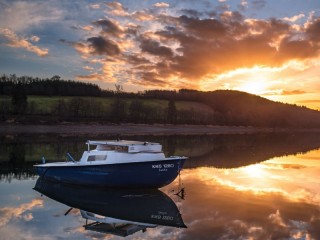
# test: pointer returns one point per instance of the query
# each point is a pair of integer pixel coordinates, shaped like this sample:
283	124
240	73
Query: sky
268	48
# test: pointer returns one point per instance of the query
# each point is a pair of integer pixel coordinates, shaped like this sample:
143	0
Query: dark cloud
154	48
292	49
204	28
136	60
152	79
313	31
109	27
102	46
191	12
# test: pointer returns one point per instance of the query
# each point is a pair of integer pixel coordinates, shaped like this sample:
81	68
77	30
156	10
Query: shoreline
136	129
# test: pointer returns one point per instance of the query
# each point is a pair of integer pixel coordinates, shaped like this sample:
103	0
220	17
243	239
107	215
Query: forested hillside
32	100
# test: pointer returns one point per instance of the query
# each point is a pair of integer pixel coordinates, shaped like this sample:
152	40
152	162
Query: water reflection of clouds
295	178
8	214
271	200
12	218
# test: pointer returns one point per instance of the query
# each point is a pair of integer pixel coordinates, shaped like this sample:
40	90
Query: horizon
266	48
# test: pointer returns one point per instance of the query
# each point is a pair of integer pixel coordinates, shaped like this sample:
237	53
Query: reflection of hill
229	151
18	154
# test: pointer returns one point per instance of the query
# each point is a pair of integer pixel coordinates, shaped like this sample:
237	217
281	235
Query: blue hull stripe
153	174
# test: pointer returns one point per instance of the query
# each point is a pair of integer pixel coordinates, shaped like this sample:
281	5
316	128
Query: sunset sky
269	48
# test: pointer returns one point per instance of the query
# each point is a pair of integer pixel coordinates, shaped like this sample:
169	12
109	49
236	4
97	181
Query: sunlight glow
254	171
294	177
254	87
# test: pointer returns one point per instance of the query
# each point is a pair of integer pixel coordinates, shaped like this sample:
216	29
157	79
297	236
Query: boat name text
162	165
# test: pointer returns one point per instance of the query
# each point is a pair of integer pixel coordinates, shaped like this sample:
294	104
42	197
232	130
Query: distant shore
131	129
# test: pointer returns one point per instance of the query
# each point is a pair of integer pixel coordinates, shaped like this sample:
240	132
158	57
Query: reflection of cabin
113	226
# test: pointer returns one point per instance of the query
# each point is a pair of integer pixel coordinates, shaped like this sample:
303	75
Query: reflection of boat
117	164
117	211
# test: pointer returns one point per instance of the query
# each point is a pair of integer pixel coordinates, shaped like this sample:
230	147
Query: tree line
55	86
227	107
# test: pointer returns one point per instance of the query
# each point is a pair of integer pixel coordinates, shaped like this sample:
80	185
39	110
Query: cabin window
121	148
105	147
97	158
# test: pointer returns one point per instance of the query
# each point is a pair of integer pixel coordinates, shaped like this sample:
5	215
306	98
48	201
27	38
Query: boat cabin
122	151
125	146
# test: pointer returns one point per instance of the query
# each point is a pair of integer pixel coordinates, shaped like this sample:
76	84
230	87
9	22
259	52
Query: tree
19	99
172	112
136	110
118	110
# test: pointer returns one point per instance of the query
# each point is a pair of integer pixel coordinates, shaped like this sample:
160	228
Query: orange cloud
15	41
161	49
8	213
293	92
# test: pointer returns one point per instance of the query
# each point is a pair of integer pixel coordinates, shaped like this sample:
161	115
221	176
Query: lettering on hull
162	167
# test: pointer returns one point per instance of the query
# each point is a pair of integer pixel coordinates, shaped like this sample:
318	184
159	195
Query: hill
34	100
240	108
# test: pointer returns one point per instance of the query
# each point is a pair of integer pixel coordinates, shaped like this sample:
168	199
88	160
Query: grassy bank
70	108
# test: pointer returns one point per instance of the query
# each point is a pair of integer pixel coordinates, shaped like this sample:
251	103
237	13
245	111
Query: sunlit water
278	198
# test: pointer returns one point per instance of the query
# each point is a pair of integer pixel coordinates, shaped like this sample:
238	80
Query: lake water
242	186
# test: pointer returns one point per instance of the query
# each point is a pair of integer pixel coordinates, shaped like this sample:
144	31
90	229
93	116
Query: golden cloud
161	49
9	213
16	41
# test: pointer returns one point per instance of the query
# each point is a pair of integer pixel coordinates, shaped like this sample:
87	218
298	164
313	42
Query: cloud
243	5
116	9
109	27
142	16
24	15
84	28
310	101
154	48
191	12
161	5
102	46
293	92
294	18
312	31
94	6
34	39
186	50
94	76
9	213
15	41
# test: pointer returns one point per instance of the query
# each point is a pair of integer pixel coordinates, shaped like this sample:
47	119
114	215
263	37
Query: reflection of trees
19	154
16	167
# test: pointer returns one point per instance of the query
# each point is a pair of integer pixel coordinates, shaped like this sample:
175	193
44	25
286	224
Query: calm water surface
263	186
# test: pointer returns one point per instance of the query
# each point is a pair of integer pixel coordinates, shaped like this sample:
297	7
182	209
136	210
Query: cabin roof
120	143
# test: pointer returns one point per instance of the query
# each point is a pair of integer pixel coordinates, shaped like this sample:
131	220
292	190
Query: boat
116	163
116	211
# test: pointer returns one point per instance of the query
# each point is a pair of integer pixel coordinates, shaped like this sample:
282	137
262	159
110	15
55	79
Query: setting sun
254	87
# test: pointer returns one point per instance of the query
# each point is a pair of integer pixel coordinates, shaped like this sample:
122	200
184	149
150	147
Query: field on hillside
46	105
